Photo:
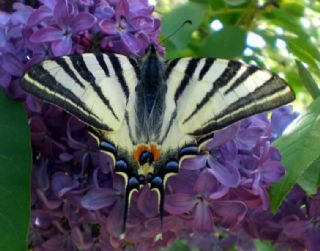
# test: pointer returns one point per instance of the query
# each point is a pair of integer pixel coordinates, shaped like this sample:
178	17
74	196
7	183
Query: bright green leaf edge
310	179
264	245
15	172
308	81
299	149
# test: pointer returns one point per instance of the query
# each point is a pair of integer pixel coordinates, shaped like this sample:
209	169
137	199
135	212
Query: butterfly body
148	114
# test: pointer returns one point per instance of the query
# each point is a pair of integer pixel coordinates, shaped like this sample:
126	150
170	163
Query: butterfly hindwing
94	87
207	94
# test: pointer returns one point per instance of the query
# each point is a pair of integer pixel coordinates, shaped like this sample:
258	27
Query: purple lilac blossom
77	201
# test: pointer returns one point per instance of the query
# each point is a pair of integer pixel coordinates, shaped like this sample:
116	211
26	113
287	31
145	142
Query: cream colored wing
95	88
208	94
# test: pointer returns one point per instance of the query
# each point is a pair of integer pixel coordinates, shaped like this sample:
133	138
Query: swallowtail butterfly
149	114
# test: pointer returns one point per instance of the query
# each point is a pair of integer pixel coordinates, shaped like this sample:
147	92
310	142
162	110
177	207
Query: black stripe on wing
66	67
227	75
188	74
170	65
248	72
270	87
135	66
119	73
172	118
102	63
207	65
75	105
127	120
81	67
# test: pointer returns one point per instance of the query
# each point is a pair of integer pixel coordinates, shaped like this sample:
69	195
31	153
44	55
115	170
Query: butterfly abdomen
150	102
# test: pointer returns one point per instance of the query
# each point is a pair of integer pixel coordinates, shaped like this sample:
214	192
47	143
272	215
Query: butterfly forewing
93	87
209	94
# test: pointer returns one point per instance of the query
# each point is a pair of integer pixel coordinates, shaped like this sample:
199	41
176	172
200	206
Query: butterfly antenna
178	29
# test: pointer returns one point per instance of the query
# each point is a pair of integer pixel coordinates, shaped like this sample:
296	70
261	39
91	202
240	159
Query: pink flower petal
203	220
296	229
115	219
223	136
49	203
229	213
271	171
49	3
99	198
131	42
62	47
179	203
38	15
82	22
12	65
183	182
63	12
206	183
314	210
194	163
47	34
226	173
312	238
148	202
109	26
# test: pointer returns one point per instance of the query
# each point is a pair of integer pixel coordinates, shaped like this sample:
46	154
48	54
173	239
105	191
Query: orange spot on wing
138	151
155	151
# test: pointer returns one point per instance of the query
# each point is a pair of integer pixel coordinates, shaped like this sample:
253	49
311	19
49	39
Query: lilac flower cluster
62	27
77	200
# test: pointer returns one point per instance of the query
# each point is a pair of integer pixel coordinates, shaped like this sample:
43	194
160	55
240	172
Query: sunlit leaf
235	2
264	246
308	81
305	44
309	180
227	43
299	150
295	7
285	20
180	246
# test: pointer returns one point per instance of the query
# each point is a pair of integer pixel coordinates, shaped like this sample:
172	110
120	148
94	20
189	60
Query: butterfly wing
208	94
93	87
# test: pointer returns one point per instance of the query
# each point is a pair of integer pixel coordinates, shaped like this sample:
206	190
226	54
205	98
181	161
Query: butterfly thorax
150	102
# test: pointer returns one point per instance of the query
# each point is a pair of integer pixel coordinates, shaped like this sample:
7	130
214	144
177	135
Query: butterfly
149	114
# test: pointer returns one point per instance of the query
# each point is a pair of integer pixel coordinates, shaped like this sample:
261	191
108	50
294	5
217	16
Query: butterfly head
151	50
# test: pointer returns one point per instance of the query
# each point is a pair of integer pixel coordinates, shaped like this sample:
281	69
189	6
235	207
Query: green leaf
235	2
299	149
309	180
175	18
227	43
308	81
304	56
306	45
295	7
287	21
179	245
264	245
15	172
